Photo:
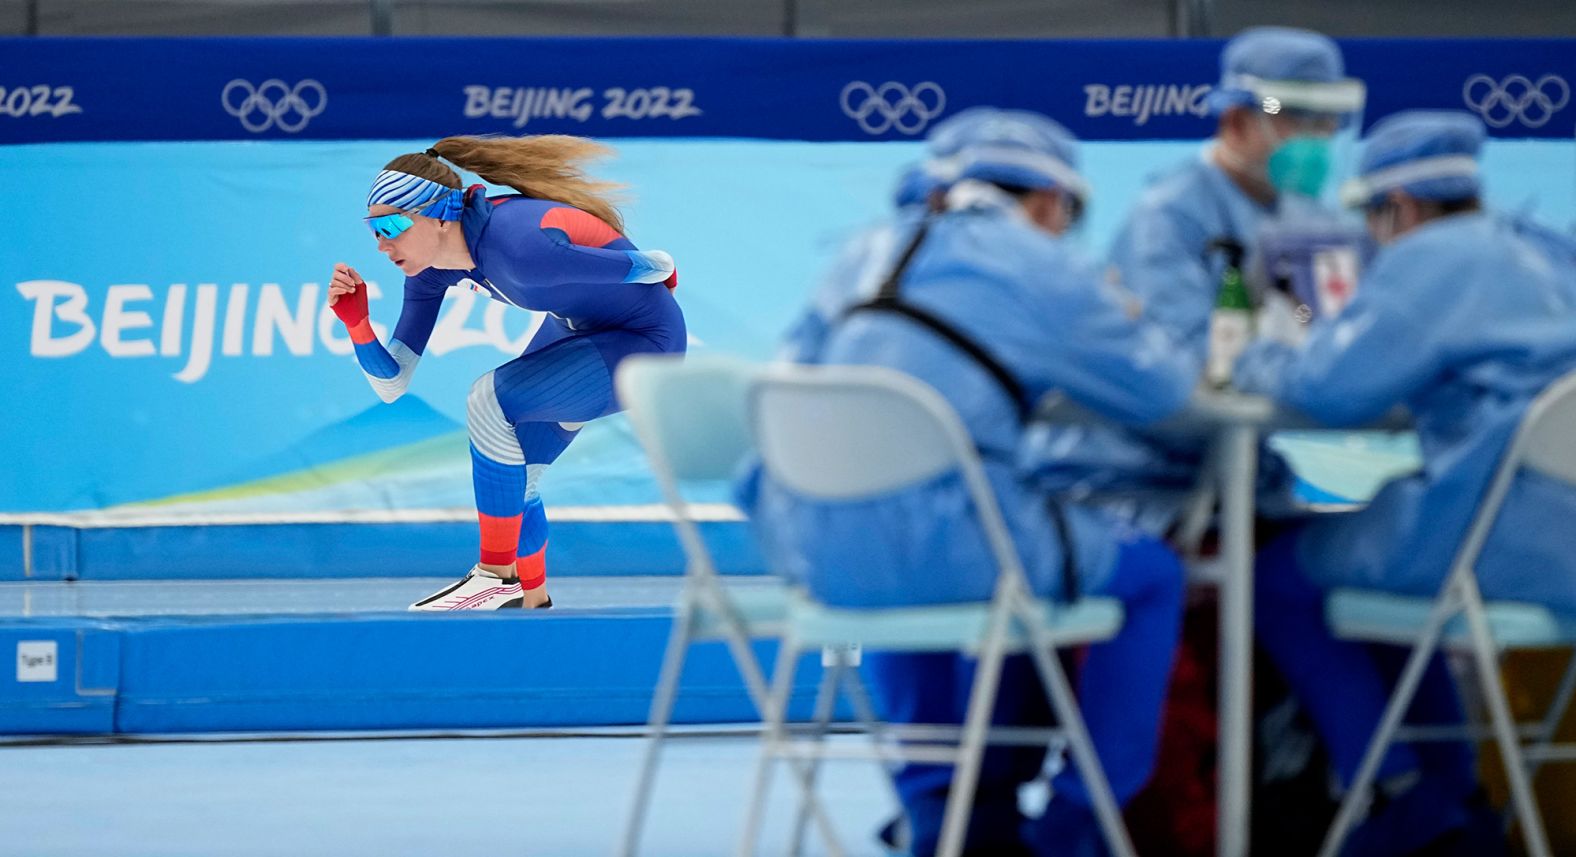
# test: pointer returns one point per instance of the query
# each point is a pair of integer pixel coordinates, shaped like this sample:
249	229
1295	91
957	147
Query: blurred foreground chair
892	433
1544	443
689	416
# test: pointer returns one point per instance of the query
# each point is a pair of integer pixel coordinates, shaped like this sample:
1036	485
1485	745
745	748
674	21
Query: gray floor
102	599
543	797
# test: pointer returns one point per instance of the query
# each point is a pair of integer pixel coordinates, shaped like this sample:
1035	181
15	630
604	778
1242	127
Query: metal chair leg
976	725
777	710
1199	510
873	726
1065	703
737	637
1486	654
825	702
1551	719
661	711
1357	791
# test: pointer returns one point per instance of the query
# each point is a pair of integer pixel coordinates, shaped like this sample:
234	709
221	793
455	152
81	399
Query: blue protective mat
214	656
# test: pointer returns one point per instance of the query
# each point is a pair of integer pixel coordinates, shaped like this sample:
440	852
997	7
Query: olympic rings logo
879	109
1516	98
273	103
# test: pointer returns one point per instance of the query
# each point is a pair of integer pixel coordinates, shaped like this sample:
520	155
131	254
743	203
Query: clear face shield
1312	130
1369	193
1074	206
1307	257
1073	190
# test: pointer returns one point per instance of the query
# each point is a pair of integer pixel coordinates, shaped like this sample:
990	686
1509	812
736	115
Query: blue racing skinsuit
603	300
1047	318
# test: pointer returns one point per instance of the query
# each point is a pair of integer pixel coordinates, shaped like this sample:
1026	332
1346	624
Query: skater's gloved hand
672	282
347	295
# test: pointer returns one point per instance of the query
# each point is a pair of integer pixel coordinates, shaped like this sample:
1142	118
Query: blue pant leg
1122	684
1338	682
934	688
1452	764
1345	689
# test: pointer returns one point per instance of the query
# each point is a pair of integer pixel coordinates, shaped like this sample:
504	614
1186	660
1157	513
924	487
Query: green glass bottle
1230	325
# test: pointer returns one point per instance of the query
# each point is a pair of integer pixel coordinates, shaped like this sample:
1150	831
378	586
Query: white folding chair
846	433
689	416
1545	443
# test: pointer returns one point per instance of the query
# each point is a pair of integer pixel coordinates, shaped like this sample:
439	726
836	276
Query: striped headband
414	193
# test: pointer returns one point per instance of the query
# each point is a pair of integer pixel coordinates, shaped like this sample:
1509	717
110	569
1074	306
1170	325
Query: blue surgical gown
1464	321
1044	314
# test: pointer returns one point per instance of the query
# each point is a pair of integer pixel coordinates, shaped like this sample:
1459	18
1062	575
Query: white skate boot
477	590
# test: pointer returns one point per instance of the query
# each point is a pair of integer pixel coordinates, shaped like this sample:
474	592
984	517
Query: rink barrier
162	675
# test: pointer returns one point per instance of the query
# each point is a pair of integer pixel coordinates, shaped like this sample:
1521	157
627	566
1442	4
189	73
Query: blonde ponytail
546	166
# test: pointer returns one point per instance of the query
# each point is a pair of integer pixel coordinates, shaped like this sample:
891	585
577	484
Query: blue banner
54	89
168	351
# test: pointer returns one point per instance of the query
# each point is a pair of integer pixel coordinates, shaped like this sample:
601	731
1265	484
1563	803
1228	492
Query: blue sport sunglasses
393	225
390	226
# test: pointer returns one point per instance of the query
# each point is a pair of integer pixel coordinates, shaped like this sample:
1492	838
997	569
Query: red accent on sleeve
583	229
361	333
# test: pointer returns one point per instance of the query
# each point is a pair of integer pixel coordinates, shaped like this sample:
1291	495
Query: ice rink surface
543	796
125	598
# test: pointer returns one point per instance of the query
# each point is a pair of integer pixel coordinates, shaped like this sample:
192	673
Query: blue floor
537	796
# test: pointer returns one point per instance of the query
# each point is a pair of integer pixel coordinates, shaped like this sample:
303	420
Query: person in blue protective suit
1282	94
556	247
993	270
1462	319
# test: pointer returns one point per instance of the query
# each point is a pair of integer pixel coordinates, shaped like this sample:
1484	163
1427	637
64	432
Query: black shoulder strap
889	299
894	279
